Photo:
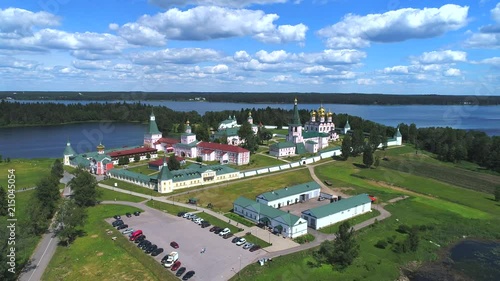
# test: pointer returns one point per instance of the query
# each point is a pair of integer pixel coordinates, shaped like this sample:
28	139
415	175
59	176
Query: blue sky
365	46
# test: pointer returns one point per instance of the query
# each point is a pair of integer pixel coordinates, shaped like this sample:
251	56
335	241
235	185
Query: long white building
290	195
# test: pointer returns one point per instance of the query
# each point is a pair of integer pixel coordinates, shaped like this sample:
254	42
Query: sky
326	46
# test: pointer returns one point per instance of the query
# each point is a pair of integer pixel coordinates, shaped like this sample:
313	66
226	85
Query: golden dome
100	146
321	110
330	113
313	113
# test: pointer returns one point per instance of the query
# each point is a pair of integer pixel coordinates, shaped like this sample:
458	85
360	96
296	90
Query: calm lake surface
35	142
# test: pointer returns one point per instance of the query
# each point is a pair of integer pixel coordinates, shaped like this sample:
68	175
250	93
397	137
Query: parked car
227	235
180	271
241	241
193	217
188	275
225	231
139	239
151	248
136	213
135	235
122	226
213	228
205	224
140	244
254	248
117	223
157	252
117	217
146	244
164	259
218	230
172	258
174	245
180	214
248	245
128	230
175	266
198	220
128	215
235	239
187	215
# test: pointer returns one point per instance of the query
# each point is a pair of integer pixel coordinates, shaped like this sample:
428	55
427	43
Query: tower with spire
398	137
250	119
152	134
347	127
68	153
295	126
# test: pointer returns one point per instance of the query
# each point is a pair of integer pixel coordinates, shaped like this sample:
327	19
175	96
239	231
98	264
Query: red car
175	266
174	244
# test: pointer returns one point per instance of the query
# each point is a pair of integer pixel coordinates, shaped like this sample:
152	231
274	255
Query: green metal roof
281	145
153	128
300	148
130	175
266	211
69	150
228	132
311	142
193	171
186	145
289	191
312	134
339	206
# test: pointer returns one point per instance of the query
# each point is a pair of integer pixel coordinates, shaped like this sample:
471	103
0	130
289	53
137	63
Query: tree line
244	97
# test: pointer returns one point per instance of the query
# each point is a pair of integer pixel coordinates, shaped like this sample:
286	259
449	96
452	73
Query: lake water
34	142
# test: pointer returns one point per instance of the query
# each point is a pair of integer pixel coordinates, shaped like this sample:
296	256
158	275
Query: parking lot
221	260
297	208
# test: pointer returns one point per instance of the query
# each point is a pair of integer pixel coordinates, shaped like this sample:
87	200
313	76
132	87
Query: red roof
206	151
223	147
168	141
132	151
159	162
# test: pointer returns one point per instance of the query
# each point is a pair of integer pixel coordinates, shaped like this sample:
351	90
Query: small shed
193	201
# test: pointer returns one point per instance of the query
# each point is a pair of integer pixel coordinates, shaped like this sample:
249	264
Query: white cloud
272	57
281	78
495	13
344	75
394	26
17	63
452	72
446	56
176	56
17	23
317	69
220	68
398	69
91	65
113	26
222	3
331	57
492	61
241	56
209	22
483	40
366	81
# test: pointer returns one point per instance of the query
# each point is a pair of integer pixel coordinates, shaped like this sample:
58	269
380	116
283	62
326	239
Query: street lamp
240	267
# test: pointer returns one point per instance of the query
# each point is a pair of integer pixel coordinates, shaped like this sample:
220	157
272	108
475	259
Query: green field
168	208
110	195
130	187
143	169
257	241
239	219
96	257
259	161
222	197
27	171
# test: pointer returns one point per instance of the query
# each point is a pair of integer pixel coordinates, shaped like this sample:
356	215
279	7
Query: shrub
304	238
403	228
381	244
391	239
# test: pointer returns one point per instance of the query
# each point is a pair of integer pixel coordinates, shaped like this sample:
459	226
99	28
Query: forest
242	97
451	145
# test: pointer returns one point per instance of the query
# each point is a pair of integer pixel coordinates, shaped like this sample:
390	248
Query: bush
391	239
199	159
304	238
381	244
403	228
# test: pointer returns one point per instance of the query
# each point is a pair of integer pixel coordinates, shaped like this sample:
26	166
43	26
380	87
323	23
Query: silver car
128	230
248	245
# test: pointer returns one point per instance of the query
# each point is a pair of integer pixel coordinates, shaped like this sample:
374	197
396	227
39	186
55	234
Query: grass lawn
218	222
222	197
259	161
69	169
110	195
28	171
143	170
25	241
334	228
130	187
279	131
168	208
96	257
240	219
257	241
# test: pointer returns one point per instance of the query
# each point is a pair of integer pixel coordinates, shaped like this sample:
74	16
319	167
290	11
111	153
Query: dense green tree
376	163
245	131
346	147
413	239
181	128
84	188
251	143
1	160
173	164
368	156
38	216
148	156
57	169
3	201
358	142
202	133
264	134
70	217
374	140
47	192
412	133
346	248
137	158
